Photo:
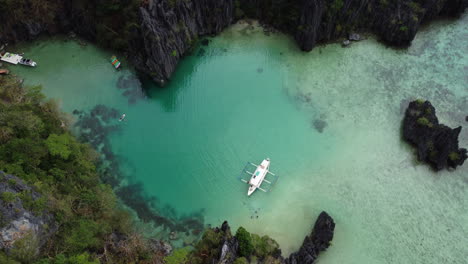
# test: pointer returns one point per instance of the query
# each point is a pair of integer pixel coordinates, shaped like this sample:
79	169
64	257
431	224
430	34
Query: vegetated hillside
156	34
55	200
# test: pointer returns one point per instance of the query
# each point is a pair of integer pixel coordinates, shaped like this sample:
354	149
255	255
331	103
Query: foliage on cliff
36	146
109	22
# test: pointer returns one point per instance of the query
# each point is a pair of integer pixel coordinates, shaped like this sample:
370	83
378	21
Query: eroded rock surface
16	221
436	144
318	241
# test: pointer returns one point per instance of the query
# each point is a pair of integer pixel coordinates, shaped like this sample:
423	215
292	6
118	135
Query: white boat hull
258	176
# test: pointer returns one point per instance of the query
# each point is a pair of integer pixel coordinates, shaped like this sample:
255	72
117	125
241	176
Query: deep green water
252	96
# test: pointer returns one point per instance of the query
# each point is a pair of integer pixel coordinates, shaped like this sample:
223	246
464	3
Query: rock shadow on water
94	127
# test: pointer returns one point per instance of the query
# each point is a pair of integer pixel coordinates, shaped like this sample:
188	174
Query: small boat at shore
17	59
27	62
115	62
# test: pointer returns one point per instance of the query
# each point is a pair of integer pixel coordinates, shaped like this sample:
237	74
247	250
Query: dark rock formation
437	144
318	241
168	31
319	125
17	222
162	31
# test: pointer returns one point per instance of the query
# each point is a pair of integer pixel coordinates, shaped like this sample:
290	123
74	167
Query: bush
59	145
8	197
82	235
25	249
424	122
245	242
420	101
241	260
453	156
83	258
178	256
264	246
4	259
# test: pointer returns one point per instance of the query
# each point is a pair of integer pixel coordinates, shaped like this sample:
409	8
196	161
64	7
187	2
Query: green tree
81	235
245	242
26	248
59	145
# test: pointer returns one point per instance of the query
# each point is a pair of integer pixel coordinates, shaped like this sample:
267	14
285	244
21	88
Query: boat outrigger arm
258	176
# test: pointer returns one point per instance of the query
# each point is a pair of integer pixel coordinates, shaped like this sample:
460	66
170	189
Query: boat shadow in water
94	128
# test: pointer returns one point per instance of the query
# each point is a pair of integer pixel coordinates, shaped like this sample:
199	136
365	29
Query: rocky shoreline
218	245
156	34
436	144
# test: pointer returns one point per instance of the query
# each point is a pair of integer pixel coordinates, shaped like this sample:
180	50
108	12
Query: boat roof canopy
11	58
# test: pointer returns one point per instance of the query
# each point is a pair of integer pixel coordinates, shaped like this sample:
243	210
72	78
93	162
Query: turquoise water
251	96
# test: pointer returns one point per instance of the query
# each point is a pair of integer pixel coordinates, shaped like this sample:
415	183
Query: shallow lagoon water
251	96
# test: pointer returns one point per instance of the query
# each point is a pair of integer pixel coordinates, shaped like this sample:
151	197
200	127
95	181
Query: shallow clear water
251	96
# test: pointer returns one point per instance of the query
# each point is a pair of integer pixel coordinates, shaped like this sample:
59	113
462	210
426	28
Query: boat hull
258	176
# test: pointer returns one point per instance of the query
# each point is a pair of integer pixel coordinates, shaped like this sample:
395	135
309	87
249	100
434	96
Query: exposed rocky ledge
163	31
17	222
318	241
220	246
437	144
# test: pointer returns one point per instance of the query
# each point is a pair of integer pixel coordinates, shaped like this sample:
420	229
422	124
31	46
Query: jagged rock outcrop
16	222
318	241
168	29
165	30
437	144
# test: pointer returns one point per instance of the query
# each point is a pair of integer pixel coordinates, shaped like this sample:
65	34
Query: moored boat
115	62
17	59
27	62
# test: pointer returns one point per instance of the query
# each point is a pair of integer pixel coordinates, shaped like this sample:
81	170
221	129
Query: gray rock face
318	241
169	30
15	221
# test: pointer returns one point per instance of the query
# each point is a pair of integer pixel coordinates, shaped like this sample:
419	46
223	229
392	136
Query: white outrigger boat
258	176
17	59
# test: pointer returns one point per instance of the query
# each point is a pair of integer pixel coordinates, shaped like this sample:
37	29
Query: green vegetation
35	146
8	197
337	5
264	246
453	156
25	248
424	122
420	101
245	242
208	247
178	256
112	23
241	260
174	53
